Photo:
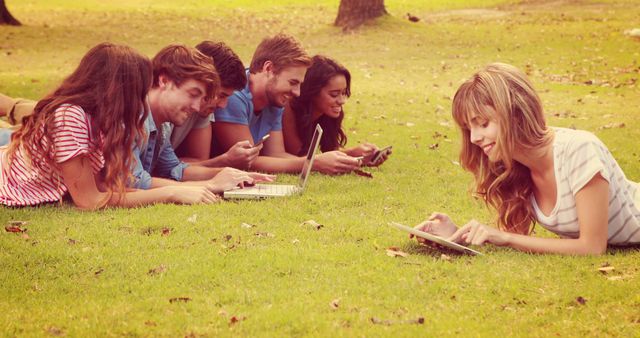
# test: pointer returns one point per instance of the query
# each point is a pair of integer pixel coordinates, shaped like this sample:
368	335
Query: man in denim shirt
182	79
156	156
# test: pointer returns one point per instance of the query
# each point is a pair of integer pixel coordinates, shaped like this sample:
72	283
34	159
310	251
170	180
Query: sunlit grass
113	272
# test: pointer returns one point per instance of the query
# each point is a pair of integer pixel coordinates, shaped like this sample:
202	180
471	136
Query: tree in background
353	13
5	17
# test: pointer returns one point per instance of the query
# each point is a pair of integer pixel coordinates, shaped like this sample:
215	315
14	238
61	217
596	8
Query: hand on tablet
438	224
476	233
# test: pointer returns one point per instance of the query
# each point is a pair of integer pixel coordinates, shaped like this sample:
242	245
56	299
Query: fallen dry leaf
99	271
247	225
634	33
193	218
179	299
158	270
363	173
580	300
313	224
54	331
434	146
396	252
18	223
375	320
14	228
335	303
295	241
612	125
150	323
419	320
264	234
166	231
606	269
235	319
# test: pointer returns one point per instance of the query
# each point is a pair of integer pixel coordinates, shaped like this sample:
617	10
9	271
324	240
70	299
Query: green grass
87	273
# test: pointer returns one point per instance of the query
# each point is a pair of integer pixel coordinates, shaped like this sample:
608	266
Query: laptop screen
308	161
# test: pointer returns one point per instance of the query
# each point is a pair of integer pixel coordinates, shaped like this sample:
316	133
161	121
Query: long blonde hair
504	184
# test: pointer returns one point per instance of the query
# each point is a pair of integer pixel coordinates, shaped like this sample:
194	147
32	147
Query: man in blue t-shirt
274	77
192	140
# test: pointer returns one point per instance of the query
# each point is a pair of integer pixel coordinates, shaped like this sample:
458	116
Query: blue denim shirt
5	136
156	156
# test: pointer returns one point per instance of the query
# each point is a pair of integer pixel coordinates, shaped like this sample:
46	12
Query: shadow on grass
435	251
623	250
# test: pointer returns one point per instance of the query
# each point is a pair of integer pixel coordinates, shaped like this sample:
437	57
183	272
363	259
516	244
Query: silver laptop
260	191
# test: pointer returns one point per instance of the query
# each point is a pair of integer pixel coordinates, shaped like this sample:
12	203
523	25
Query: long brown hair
111	85
322	70
505	184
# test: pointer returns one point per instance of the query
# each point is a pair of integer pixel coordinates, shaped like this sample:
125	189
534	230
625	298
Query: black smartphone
378	155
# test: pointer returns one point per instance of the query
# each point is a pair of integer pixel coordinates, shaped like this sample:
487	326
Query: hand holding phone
264	138
380	154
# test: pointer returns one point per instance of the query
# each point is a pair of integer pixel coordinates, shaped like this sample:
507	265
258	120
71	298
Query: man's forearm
278	164
199	173
219	161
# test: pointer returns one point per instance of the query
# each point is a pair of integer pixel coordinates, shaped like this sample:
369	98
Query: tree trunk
5	17
353	13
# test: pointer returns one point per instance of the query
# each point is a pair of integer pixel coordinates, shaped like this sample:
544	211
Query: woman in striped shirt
79	139
564	179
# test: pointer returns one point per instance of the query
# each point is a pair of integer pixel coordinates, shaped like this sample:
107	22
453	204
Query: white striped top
22	184
578	156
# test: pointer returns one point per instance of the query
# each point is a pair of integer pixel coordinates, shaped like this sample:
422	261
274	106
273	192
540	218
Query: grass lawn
170	270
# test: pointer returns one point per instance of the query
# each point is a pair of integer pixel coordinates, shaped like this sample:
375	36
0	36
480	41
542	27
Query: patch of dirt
480	13
513	9
555	4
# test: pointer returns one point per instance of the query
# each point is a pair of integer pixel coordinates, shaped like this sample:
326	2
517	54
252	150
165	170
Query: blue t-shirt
240	110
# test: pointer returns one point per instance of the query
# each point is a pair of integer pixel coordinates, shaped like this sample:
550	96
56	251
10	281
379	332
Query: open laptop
435	239
260	191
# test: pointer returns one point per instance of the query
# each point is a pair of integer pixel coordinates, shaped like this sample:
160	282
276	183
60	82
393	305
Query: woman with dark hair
325	89
79	139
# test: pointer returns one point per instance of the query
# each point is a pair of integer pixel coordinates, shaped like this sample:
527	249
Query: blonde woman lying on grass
566	180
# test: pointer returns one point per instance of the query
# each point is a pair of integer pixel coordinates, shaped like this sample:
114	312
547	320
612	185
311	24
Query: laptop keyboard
275	189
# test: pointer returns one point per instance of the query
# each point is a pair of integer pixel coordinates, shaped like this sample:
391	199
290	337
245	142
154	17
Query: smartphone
378	155
264	138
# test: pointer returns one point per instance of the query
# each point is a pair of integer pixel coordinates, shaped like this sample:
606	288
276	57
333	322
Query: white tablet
435	239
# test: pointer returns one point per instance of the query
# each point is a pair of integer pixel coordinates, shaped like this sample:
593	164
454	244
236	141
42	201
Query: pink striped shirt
22	184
